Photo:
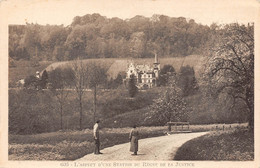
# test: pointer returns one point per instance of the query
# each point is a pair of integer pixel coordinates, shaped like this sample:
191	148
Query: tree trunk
250	106
80	113
95	102
61	127
251	118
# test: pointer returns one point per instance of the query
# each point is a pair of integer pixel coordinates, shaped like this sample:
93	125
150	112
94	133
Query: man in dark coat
96	138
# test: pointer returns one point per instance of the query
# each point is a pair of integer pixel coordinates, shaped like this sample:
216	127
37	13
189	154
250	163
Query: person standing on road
133	137
96	138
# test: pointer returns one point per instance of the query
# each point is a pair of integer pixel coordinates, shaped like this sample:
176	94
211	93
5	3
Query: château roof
144	68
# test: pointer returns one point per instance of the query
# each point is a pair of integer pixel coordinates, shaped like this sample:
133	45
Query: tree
230	68
31	82
187	81
61	80
166	72
44	80
132	89
170	106
80	83
76	42
96	76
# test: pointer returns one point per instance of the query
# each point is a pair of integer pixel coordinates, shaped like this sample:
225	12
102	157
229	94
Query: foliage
120	103
44	80
31	111
132	89
95	36
61	78
115	83
187	81
232	145
230	68
96	75
11	63
170	106
31	82
165	74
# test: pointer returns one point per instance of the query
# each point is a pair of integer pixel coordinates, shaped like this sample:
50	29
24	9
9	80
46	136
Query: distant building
144	74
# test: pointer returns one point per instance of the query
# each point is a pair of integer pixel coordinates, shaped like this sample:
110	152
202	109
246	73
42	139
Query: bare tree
61	79
80	83
230	68
96	76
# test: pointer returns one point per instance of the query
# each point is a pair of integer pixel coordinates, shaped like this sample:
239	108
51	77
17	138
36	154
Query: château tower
156	65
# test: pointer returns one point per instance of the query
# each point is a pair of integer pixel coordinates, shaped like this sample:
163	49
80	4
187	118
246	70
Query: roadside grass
70	145
232	145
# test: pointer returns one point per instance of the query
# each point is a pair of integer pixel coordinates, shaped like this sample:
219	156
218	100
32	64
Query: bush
12	63
132	87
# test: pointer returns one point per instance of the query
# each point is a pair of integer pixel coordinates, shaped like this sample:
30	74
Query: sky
57	12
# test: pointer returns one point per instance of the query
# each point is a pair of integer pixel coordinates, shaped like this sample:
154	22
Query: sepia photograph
142	83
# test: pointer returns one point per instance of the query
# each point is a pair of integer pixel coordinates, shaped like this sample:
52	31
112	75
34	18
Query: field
232	145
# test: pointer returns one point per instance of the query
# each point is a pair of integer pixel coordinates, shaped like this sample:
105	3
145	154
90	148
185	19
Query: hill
114	65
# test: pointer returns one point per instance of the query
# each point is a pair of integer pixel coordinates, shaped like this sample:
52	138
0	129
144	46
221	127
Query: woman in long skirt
133	137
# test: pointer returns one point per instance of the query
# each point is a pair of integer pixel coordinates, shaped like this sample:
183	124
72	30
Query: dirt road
157	148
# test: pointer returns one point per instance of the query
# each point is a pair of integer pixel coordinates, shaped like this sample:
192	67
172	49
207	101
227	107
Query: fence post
169	128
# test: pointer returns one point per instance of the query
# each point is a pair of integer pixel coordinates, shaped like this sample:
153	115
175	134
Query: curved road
157	148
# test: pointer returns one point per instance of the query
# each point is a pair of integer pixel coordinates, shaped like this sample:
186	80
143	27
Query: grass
69	145
232	145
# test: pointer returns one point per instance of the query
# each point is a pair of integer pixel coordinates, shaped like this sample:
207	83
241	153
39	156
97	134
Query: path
157	148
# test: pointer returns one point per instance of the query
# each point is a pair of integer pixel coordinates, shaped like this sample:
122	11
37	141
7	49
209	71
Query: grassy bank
69	145
233	145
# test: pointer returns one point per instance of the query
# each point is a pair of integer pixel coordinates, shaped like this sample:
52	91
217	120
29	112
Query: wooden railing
178	126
